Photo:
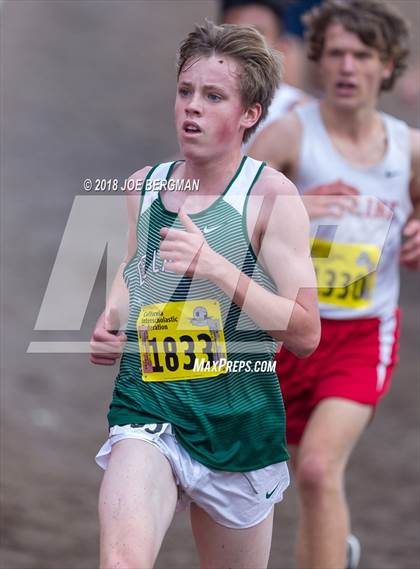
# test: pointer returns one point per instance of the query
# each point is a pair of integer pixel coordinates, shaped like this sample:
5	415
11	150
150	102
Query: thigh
332	431
136	503
220	547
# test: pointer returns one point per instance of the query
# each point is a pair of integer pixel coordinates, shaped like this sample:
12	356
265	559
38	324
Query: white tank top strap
150	191
245	178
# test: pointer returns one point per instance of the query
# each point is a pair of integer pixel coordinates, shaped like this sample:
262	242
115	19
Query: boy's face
208	108
352	72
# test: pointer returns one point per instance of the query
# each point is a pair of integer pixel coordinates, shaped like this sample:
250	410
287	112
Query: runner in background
358	170
294	30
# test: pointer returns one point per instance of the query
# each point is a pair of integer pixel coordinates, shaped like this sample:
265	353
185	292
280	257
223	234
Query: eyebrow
362	49
208	86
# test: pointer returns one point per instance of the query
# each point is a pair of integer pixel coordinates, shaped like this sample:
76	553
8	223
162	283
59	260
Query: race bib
176	338
346	272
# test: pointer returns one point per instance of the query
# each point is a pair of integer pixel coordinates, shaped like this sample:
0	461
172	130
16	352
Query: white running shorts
232	499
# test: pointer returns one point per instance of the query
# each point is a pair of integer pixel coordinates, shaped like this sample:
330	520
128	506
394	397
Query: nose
194	105
347	63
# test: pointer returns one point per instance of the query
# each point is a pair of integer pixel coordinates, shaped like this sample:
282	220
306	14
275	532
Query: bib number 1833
173	336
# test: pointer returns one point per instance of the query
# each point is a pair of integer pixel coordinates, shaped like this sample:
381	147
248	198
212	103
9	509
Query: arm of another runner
107	342
410	251
278	144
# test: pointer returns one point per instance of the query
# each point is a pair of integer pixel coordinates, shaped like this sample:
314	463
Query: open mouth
345	87
190	127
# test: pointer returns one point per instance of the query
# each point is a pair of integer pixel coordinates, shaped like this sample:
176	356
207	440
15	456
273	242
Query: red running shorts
354	360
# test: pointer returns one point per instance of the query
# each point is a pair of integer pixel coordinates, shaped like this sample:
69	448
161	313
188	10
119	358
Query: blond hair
259	66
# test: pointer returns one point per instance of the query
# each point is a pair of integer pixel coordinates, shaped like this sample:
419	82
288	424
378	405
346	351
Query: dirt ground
87	90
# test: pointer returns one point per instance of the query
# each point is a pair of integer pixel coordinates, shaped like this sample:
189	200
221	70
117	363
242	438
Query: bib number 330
346	272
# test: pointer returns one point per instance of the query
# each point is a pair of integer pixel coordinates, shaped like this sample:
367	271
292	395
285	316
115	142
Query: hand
187	252
332	200
107	342
410	250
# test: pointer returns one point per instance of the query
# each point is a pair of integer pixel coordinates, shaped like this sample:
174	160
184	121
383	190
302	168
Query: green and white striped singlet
231	421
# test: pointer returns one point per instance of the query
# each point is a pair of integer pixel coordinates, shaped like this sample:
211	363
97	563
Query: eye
183	91
214	97
363	55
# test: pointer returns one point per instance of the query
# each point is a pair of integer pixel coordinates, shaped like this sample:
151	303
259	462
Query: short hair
259	65
377	25
276	7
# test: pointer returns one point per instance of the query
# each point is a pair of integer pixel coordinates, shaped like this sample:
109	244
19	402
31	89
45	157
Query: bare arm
410	251
107	340
290	316
278	144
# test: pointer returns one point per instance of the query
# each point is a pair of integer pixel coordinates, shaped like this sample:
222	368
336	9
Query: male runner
267	17
344	156
188	423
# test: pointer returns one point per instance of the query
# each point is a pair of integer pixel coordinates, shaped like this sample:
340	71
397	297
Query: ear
251	115
387	69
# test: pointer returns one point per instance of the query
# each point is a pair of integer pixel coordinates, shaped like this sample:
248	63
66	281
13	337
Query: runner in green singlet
197	415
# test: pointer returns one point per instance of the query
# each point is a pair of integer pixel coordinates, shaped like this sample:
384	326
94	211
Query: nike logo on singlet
207	229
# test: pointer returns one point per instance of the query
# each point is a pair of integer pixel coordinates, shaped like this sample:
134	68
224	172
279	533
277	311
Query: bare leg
220	547
136	504
330	435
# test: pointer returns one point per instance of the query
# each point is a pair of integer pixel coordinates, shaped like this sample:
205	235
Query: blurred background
87	91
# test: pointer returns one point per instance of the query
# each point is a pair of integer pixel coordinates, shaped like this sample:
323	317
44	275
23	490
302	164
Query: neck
351	123
213	174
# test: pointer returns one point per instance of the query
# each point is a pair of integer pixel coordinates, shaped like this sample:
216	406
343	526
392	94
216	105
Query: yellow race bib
346	272
176	337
